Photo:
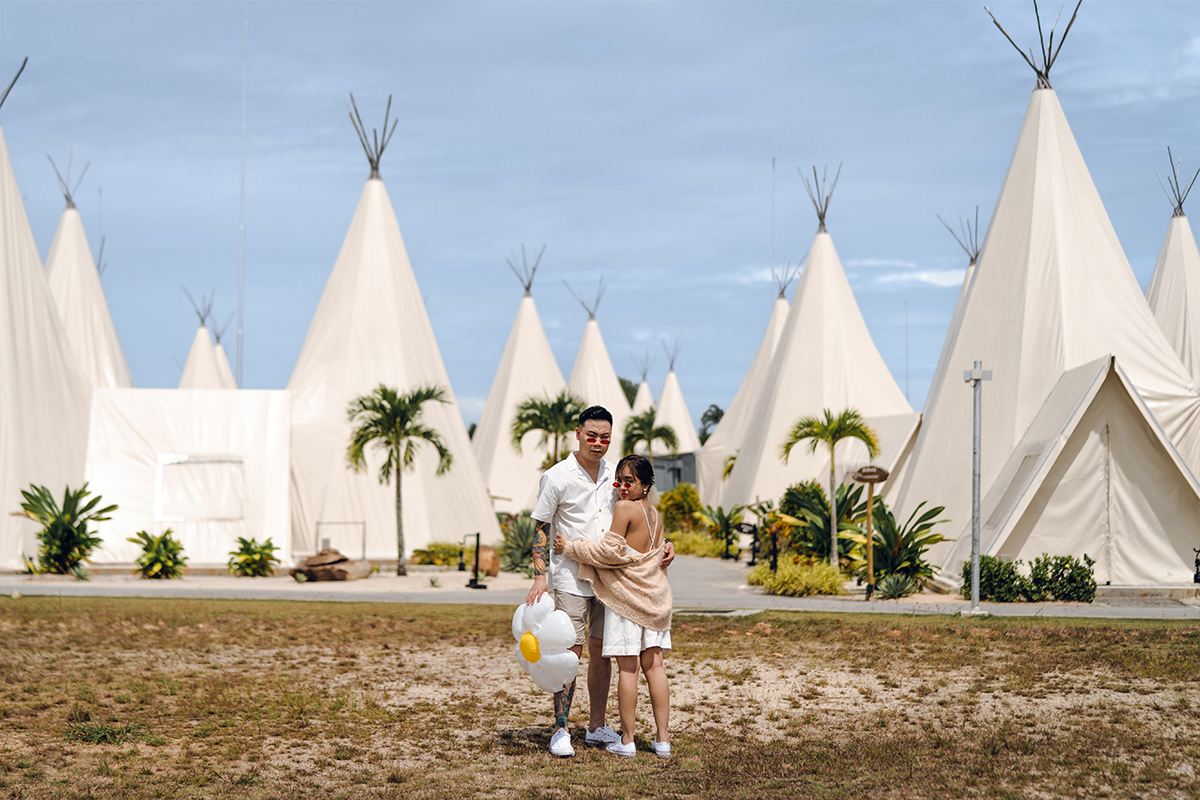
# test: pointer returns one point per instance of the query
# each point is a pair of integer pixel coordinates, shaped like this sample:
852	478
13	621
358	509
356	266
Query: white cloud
934	277
879	262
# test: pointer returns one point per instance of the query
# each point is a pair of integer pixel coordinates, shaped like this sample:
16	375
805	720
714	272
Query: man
576	499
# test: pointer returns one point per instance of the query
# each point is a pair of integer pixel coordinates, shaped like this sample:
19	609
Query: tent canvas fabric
75	284
1093	474
371	328
227	379
1174	293
202	371
594	381
825	359
672	411
210	465
1052	291
44	395
727	437
643	401
527	369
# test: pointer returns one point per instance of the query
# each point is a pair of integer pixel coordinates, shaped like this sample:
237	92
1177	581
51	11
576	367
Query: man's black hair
595	412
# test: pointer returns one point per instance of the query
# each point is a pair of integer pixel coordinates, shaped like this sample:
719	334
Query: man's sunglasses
592	439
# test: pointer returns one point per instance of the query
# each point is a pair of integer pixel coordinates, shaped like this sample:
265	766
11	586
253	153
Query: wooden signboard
870	475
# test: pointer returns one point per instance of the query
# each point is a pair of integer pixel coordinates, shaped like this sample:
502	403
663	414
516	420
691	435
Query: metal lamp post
474	582
976	377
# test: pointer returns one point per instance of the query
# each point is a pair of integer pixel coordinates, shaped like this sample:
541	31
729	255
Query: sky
635	140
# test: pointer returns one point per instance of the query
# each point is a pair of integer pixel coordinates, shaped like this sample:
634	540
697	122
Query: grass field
129	698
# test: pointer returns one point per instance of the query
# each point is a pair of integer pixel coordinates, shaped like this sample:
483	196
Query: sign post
871	476
976	377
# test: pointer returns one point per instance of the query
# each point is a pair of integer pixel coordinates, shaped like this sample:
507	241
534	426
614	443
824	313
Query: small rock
16	595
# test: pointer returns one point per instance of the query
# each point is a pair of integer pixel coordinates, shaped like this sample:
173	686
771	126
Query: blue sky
634	139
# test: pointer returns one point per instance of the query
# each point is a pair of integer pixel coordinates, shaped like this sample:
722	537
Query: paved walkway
699	584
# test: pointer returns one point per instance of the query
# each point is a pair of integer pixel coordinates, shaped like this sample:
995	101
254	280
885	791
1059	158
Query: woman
625	573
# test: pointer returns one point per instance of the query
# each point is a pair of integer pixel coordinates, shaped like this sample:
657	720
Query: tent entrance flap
200	488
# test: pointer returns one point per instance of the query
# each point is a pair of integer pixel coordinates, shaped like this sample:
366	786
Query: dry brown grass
128	698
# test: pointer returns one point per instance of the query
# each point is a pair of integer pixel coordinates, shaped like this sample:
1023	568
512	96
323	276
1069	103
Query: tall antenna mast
772	215
241	312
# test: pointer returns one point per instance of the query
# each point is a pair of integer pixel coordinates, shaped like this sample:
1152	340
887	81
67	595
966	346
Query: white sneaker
560	744
622	749
602	735
662	749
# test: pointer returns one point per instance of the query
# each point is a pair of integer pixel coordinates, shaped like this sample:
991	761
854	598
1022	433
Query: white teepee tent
527	369
727	437
825	359
593	378
643	401
1174	291
201	370
43	394
371	328
75	283
227	379
672	411
1053	297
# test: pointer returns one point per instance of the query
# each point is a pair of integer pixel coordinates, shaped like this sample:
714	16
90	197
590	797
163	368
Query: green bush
253	560
806	507
898	549
696	543
895	586
999	580
65	542
798	577
1063	578
679	506
719	524
442	554
162	556
516	550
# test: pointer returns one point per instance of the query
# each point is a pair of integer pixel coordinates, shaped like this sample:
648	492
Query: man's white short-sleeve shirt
578	508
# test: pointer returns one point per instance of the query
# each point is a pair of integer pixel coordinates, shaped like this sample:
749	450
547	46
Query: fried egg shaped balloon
543	637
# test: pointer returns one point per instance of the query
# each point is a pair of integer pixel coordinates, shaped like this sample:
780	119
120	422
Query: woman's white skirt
625	638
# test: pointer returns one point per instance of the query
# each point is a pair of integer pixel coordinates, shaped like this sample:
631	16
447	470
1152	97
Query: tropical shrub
64	540
516	551
442	554
719	523
899	549
162	556
679	506
1063	578
697	543
253	560
806	507
895	586
999	580
798	577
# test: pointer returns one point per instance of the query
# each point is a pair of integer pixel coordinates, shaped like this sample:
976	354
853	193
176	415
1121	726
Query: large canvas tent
672	411
593	378
727	437
1053	293
75	283
527	369
1174	291
643	401
43	394
210	465
825	359
371	328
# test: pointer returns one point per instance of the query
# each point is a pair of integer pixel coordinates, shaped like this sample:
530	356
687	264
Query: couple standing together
603	558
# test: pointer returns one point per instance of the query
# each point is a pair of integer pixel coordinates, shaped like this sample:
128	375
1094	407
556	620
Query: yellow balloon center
531	648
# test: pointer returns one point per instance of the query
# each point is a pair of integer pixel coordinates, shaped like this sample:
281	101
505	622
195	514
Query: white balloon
553	673
557	633
536	614
522	662
518	623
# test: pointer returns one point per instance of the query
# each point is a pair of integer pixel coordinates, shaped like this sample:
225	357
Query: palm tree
708	421
393	422
554	417
641	428
830	430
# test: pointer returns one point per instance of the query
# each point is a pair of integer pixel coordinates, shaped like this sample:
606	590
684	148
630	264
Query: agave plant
895	586
64	537
162	556
899	549
516	551
253	560
806	508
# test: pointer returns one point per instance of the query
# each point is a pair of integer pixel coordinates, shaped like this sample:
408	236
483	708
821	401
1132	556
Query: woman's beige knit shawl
632	584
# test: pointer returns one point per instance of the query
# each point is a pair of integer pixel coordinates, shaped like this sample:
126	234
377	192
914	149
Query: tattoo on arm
541	547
